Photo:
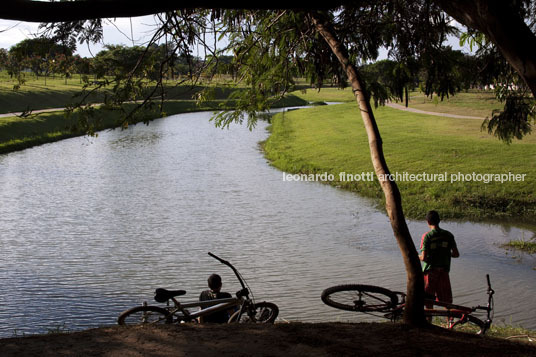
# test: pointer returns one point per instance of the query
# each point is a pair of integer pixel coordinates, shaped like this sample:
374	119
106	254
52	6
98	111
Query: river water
91	226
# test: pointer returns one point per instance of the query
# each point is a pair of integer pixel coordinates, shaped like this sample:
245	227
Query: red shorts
437	285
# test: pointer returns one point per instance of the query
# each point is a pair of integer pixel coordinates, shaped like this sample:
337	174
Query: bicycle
389	304
245	309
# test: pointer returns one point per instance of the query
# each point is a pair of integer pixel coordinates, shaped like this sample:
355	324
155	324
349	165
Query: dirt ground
294	339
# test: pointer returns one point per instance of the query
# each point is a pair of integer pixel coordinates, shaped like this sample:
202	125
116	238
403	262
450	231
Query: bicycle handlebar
480	307
490	290
223	261
218	258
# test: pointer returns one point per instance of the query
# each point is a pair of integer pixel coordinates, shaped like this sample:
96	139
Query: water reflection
90	228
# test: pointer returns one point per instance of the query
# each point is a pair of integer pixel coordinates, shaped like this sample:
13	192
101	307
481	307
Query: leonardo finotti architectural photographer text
410	177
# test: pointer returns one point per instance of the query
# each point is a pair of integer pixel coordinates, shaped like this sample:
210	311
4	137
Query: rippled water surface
90	227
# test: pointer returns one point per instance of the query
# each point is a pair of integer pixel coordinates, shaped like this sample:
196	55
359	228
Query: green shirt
438	245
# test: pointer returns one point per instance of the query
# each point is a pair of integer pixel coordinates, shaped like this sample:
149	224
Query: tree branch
504	27
39	11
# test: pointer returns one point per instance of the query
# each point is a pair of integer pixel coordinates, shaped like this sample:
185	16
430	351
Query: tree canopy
411	30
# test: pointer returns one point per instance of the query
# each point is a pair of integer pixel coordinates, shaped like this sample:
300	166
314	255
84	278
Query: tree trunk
414	309
506	29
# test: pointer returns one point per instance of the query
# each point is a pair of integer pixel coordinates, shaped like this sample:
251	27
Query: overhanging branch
40	11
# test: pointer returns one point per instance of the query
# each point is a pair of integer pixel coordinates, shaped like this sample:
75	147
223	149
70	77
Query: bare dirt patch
295	339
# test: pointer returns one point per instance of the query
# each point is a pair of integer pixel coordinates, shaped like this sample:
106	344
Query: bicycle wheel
470	324
362	298
145	315
264	313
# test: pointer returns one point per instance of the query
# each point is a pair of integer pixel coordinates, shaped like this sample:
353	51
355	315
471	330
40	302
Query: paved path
413	110
392	105
33	112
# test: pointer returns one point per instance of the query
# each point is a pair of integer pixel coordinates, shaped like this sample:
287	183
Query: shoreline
493	213
292	339
477	179
50	125
57	132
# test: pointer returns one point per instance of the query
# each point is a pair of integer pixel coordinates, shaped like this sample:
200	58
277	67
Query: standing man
437	247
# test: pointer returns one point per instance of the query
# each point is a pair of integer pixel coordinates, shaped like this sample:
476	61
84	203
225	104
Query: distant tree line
44	57
454	70
447	73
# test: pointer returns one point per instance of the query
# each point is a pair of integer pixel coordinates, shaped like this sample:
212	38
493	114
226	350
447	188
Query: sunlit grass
522	245
333	139
20	133
472	103
35	94
509	332
514	333
328	94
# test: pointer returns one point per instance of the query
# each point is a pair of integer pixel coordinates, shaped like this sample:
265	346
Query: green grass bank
522	245
332	139
472	103
20	133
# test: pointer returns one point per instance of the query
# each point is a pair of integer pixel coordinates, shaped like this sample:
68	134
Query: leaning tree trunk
414	310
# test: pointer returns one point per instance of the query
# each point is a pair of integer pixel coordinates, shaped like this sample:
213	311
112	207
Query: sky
122	31
118	31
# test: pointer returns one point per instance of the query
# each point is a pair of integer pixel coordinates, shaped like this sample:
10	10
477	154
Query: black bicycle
246	310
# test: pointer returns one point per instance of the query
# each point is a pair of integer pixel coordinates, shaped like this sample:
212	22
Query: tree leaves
271	48
513	121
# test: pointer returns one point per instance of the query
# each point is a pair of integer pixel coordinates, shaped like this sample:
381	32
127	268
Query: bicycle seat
163	295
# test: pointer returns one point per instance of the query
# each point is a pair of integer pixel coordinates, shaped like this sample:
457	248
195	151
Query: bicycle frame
451	311
242	304
381	302
206	308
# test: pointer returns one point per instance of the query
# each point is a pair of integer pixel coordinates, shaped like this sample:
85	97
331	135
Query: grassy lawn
473	103
327	94
20	133
332	139
34	94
